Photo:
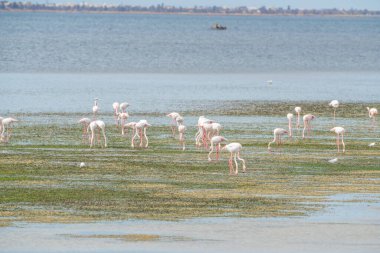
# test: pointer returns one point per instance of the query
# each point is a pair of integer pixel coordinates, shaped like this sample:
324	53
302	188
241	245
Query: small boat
218	27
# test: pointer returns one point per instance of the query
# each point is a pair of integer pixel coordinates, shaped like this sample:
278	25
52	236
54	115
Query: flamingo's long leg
243	161
236	164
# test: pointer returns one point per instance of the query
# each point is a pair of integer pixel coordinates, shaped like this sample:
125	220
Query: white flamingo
131	125
215	130
339	131
115	107
277	133
216	140
122	117
307	124
298	111
97	125
6	126
334	104
372	112
85	122
95	108
123	106
290	117
173	116
181	131
140	131
204	125
179	120
234	148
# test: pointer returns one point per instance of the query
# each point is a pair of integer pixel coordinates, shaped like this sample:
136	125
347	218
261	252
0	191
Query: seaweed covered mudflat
41	180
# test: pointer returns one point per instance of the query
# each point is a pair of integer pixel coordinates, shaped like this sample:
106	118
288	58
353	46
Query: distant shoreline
184	13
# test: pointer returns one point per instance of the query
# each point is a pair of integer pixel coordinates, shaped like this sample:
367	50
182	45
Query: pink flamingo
298	111
334	104
122	117
206	131
173	116
290	117
307	124
6	132
372	112
131	125
115	107
234	148
339	131
123	106
95	108
199	133
215	130
217	140
128	125
204	125
277	133
85	122
140	130
181	131
93	126
179	120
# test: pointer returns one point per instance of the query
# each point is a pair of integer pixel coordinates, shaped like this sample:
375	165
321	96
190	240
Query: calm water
38	92
61	61
64	42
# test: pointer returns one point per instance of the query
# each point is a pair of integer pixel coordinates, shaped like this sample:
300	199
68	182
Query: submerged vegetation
41	181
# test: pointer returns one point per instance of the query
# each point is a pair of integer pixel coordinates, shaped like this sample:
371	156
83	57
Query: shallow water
331	230
162	93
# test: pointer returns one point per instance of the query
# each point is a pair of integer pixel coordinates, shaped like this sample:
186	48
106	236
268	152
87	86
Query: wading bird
122	117
290	117
215	130
95	108
123	107
307	125
129	125
140	131
181	131
85	122
339	132
298	111
115	107
216	140
204	125
173	116
100	126
334	104
372	112
6	126
277	133
234	148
